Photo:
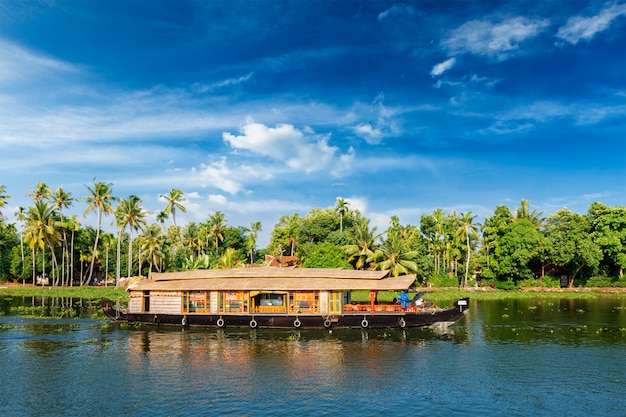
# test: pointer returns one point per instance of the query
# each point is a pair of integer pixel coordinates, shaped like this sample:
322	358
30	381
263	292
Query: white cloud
218	175
374	133
443	67
367	131
19	64
218	199
586	28
396	10
204	88
300	150
495	40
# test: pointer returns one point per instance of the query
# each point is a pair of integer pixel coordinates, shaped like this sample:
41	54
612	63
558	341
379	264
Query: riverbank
29	290
434	294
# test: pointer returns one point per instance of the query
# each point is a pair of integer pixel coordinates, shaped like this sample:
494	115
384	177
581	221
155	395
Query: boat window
234	301
304	302
270	299
146	301
196	302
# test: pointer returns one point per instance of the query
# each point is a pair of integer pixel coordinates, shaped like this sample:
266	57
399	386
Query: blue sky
265	108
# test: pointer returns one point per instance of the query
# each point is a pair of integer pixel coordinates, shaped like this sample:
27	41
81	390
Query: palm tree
174	199
362	245
161	217
467	229
342	208
108	240
217	224
41	231
228	259
524	213
101	202
396	256
129	213
152	244
73	225
62	199
20	216
255	228
41	192
192	238
3	197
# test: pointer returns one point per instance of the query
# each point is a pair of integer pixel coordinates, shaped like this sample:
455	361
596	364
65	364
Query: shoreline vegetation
434	294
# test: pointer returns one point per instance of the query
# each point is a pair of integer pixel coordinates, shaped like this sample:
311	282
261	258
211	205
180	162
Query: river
541	356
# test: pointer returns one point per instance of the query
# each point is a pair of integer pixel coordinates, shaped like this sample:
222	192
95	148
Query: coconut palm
3	197
161	217
228	259
108	240
130	213
41	192
174	199
152	243
73	225
465	231
342	208
101	202
396	256
20	216
60	200
255	228
191	238
41	231
362	245
217	229
524	213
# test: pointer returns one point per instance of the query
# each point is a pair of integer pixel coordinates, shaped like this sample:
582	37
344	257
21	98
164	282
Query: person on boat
403	298
418	300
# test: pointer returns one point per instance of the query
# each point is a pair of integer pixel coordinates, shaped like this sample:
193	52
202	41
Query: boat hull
364	319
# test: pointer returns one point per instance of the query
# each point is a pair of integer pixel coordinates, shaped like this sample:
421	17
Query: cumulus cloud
495	40
218	199
396	10
300	150
443	67
217	174
586	28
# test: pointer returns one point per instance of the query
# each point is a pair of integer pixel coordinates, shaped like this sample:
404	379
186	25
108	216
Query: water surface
514	357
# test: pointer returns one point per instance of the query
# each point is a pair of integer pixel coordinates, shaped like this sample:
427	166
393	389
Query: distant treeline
510	249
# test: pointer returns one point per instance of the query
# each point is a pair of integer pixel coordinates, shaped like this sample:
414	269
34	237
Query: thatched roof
274	279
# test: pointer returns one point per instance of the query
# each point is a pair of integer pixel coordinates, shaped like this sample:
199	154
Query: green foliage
571	246
519	250
443	280
606	282
8	240
506	285
547	282
326	255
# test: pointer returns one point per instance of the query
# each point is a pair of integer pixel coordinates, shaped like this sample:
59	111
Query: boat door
334	302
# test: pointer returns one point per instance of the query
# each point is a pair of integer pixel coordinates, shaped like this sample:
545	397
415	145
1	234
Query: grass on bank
438	295
115	294
443	296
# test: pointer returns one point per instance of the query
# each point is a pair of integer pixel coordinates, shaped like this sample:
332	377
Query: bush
549	281
443	280
505	285
606	282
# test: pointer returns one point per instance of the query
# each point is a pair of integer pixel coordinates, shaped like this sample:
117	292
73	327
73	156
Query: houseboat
276	297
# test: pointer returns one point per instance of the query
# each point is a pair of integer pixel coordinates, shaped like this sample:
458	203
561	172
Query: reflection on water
540	356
